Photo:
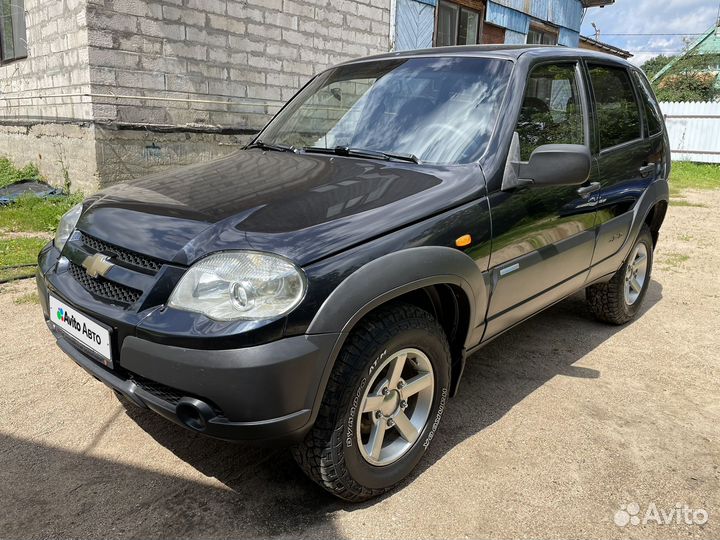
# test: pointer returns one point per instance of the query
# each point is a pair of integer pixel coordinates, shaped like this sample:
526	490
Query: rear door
543	237
626	162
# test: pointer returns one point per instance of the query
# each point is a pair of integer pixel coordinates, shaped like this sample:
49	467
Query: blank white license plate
81	328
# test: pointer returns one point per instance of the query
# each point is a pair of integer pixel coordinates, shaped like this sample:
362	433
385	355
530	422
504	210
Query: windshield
440	109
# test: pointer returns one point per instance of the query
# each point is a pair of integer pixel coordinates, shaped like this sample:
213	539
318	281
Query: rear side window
652	111
552	109
618	112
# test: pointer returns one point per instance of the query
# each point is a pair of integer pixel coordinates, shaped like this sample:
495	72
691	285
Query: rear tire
619	300
389	385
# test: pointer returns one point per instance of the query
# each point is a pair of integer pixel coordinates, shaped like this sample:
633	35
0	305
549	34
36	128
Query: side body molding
395	274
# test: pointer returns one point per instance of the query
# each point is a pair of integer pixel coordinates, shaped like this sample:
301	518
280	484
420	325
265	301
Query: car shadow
507	370
496	378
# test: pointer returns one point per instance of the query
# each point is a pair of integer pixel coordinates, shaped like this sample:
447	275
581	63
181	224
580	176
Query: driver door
543	237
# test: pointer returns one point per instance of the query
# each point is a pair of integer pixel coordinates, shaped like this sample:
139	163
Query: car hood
304	207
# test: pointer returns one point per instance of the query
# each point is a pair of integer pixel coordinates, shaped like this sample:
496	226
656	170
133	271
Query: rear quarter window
618	112
653	114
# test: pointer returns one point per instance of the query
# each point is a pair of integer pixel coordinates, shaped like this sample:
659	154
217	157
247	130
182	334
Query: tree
652	66
693	77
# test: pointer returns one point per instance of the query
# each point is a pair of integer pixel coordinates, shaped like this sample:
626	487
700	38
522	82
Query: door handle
588	190
647	170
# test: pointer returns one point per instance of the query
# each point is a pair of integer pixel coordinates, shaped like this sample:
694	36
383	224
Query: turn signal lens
464	241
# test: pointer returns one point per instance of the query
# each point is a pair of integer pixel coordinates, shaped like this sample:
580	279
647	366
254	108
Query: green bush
9	173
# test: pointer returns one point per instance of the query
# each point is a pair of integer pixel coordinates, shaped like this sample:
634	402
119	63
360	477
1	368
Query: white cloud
651	17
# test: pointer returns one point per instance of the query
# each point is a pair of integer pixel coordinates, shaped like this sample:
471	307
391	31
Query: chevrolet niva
323	287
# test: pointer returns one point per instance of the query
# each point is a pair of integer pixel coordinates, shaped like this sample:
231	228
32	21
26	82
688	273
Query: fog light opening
194	414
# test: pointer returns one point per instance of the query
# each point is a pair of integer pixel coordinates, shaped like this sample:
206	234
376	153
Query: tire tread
320	455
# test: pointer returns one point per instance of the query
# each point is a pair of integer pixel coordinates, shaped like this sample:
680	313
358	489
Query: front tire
382	405
619	300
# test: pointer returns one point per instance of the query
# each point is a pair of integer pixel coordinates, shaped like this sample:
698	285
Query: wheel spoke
417	383
406	428
377	435
635	285
396	369
373	403
639	260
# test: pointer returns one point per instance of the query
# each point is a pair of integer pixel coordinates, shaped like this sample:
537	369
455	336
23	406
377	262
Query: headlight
67	226
238	285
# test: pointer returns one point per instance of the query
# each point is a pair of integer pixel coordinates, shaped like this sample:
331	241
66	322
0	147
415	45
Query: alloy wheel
396	407
636	274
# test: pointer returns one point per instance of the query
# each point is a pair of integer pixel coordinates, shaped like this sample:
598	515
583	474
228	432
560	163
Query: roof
511	52
617	51
596	3
708	43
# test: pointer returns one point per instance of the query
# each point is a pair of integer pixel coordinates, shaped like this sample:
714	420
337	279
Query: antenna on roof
597	32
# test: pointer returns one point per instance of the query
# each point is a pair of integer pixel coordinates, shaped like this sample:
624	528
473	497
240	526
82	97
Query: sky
651	17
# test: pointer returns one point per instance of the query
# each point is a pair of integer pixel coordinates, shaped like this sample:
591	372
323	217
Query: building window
459	23
13	38
541	35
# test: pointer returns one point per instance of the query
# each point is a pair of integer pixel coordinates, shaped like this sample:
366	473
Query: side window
652	110
618	112
552	109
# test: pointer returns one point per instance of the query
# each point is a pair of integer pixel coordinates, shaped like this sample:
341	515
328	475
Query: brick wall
57	62
492	34
54	133
208	64
239	51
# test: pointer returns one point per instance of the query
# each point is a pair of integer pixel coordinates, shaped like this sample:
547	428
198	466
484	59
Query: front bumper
264	393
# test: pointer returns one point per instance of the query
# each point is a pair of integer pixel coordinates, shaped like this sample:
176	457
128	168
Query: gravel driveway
558	423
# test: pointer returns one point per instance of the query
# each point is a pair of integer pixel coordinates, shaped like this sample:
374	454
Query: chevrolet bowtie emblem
97	265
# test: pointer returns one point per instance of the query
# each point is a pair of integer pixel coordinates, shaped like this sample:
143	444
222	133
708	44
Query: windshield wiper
361	152
270	146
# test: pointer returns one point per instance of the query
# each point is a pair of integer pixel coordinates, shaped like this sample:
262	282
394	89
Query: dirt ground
558	424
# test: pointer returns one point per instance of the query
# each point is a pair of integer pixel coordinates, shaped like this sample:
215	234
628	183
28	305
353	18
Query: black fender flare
389	277
657	192
393	275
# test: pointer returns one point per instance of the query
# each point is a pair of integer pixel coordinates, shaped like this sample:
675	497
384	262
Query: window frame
612	65
639	79
475	6
18	24
541	28
582	91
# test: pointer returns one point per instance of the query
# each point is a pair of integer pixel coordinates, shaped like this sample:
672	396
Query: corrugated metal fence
694	130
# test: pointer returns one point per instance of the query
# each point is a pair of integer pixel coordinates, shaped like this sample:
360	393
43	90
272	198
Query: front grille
161	391
123	255
102	287
168	394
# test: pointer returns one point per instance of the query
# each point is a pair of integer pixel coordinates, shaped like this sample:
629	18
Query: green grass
16	252
9	173
681	202
673	260
687	175
20	251
33	214
28	298
12	274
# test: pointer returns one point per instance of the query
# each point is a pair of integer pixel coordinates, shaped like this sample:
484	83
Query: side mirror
549	165
556	165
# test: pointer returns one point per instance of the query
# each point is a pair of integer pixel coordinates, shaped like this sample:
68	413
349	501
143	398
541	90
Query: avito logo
64	316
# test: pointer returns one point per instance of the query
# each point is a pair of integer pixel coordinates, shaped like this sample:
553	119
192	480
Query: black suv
323	287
